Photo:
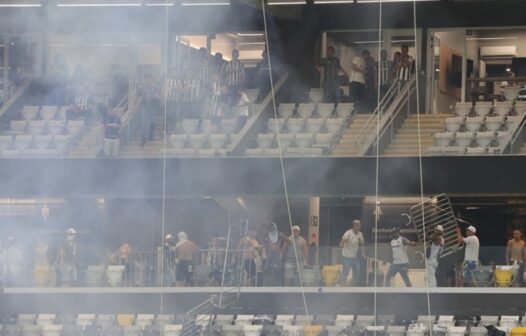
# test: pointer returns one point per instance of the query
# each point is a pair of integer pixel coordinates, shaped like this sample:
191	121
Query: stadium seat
252	330
286	110
303	320
509	321
316	95
453	124
36	127
283	320
446	320
6	141
229	125
292	330
295	125
494	123
344	110
502	108
275	125
463	139
331	275
443	139
84	320
306	110
484	138
511	121
476	151
396	330
223	319
487	320
29	112
364	320
417	329
254	152
74	127
314	125
61	142
312	330
24	319
172	330
207	127
42	141
189	125
178	140
482	109
463	109
71	330
55	127
503	275
231	330
48	112
144	320
323	139
511	92
478	331
217	141
197	141
325	110
163	319
333	330
334	125
132	330
265	140
456	331
95	275
304	140
105	320
31	330
44	319
284	140
17	127
114	275
244	320
252	95
310	276
51	330
23	142
206	152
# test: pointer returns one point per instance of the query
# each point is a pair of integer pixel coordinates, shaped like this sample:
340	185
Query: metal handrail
386	98
391	111
516	133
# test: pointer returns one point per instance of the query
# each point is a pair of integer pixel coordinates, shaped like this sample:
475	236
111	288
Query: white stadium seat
304	140
463	139
316	95
42	141
286	110
284	140
323	139
473	123
244	320
252	330
306	110
29	112
265	140
463	109
85	320
61	142
276	125
453	124
36	127
314	125
511	92
476	151
344	320
45	319
494	123
172	330
75	127
334	125
325	110
217	141
55	127
23	142
17	126
48	112
485	138
189	125
502	108
443	139
197	141
483	108
295	125
178	140
344	110
51	330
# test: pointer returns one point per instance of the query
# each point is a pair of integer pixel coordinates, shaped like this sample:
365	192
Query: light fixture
492	38
205	3
99	3
159	3
20	3
286	2
508	69
250	34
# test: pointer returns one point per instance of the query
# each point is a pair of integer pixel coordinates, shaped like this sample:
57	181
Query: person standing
331	80
404	67
400	260
471	256
276	245
173	93
352	244
149	94
234	75
384	67
433	255
112	127
292	273
516	254
357	80
184	254
251	250
67	259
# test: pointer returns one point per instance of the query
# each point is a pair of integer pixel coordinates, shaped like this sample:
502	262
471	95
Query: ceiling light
19	3
491	38
250	34
99	3
286	2
206	3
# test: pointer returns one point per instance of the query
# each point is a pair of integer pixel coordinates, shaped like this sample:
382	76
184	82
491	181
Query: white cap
71	231
295	228
472	229
440	228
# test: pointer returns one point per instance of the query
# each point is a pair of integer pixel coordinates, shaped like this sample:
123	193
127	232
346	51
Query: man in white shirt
400	260
471	256
352	252
357	80
433	255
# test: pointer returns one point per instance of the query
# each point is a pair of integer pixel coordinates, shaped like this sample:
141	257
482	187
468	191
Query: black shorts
182	270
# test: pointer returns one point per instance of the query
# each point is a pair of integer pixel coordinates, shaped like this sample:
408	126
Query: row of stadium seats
252	325
42	112
483	109
474	124
308	110
34	145
52	127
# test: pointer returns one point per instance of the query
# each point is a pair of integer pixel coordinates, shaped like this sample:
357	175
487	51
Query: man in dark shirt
331	81
149	94
384	67
112	126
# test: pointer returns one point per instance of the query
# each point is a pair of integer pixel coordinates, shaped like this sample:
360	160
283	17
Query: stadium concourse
259	168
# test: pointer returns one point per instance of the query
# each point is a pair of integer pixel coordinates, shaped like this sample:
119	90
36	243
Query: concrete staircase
347	146
405	142
151	149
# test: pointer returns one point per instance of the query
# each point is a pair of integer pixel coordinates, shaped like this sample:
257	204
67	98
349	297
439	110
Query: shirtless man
516	252
184	253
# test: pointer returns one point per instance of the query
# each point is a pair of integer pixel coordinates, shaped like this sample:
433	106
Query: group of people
368	80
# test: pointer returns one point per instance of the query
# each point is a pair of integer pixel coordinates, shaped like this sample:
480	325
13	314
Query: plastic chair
331	274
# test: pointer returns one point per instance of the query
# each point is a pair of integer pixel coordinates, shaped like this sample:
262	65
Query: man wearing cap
291	266
352	251
471	256
433	255
400	260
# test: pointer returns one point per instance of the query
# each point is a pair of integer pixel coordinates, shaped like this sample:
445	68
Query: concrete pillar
314	224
